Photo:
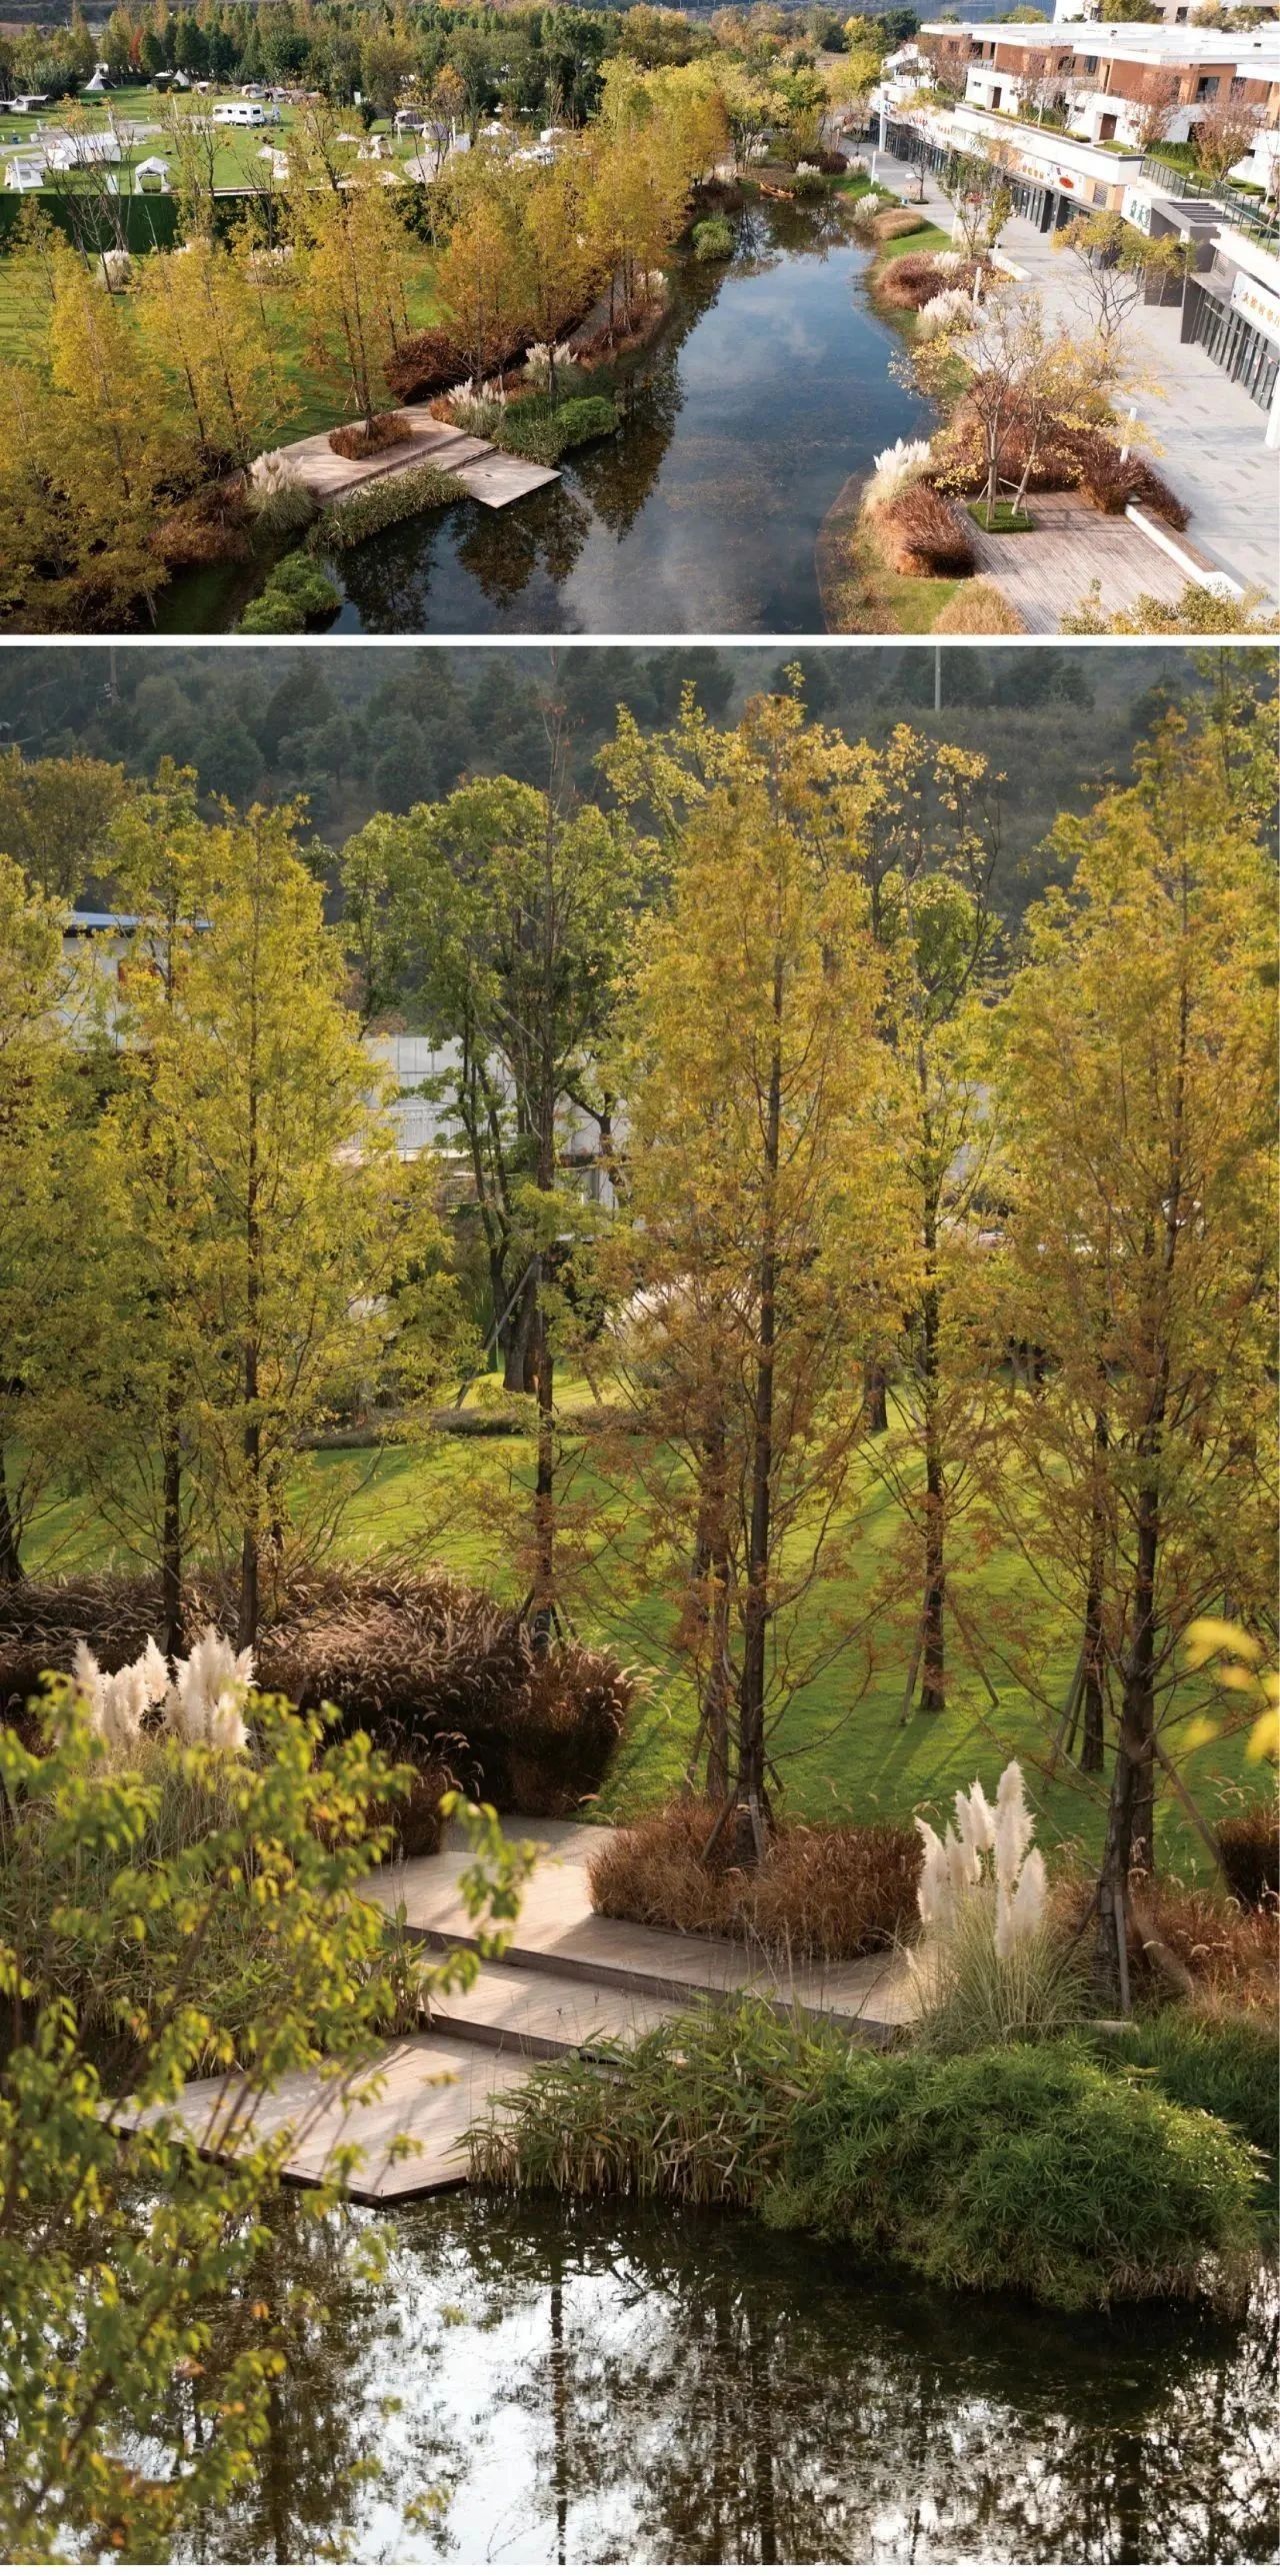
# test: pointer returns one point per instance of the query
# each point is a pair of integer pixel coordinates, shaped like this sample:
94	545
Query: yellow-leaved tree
1136	1055
765	1226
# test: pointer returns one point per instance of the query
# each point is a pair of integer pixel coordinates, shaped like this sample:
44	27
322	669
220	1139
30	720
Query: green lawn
842	1748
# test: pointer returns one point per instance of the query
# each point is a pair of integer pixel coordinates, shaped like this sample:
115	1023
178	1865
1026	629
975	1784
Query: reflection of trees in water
751	2407
503	549
699	2391
347	2342
388	580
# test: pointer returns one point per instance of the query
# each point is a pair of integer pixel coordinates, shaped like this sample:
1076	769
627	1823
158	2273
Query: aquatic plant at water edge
278	499
1030	2169
382	503
297	594
1220	2061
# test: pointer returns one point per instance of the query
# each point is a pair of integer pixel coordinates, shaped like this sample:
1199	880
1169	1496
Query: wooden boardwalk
571	1981
487	474
1046	574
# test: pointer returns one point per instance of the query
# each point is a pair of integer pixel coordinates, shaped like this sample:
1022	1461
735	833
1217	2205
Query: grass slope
843	1751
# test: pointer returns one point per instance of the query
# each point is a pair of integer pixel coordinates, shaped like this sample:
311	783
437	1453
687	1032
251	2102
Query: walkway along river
768	387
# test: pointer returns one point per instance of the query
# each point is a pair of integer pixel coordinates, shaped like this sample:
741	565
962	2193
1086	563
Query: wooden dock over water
572	1980
488	475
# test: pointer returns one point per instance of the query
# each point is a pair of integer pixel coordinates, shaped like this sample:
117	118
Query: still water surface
767	388
602	2385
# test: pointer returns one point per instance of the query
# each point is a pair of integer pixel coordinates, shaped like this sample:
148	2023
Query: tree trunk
1130	1839
933	1687
519	1344
875	1397
543	1591
171	1524
10	1555
711	1612
250	1568
752	1801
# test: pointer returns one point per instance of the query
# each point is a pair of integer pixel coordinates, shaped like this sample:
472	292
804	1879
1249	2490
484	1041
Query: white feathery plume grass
949	261
1014	1825
205	1704
944	312
934	1892
895	467
115	1704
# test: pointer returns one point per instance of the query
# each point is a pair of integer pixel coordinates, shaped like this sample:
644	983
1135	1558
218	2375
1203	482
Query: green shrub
1022	2169
297	594
541	431
713	239
698	2111
381	502
1223	2063
1027	2169
587	416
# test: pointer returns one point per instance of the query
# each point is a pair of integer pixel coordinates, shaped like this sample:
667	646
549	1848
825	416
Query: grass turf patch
1003	521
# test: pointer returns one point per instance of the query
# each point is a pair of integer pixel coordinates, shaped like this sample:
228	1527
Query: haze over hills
355	731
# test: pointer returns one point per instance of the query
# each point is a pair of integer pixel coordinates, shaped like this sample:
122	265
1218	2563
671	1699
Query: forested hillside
355	731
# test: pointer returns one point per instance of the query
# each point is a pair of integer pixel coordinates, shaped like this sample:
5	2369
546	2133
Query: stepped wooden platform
571	1981
487	474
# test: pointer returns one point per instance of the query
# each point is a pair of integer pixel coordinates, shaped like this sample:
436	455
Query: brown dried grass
1249	1849
896	222
432	1670
921	534
908	283
978	609
833	1893
1068	460
428	362
1230	1952
360	438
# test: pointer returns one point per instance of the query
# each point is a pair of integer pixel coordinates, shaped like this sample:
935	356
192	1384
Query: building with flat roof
1081	117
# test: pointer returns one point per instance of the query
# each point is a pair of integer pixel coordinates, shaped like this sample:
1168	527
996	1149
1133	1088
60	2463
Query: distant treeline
356	731
526	60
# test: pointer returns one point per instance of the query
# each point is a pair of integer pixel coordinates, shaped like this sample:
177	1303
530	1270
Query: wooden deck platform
1046	574
572	1981
557	1930
488	474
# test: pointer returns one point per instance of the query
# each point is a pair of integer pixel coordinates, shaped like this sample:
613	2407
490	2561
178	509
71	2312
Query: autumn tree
45	1205
1117	263
505	910
483	279
203	328
928	854
761	1204
303	1272
56	818
352	253
1224	133
1136	1098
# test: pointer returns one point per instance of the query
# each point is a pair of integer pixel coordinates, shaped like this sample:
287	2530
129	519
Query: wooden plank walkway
488	475
572	1980
557	1930
1045	574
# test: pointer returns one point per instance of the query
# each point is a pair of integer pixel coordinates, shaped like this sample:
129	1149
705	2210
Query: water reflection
768	387
589	2386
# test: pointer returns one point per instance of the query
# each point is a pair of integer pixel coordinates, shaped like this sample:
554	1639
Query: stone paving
1206	436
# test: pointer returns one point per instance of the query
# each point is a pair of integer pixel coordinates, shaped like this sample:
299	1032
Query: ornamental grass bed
434	1672
822	1893
357	439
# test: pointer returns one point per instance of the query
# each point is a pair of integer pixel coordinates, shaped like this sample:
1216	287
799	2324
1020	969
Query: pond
768	386
590	2386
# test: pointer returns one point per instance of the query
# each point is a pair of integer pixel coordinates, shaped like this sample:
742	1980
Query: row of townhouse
1075	113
